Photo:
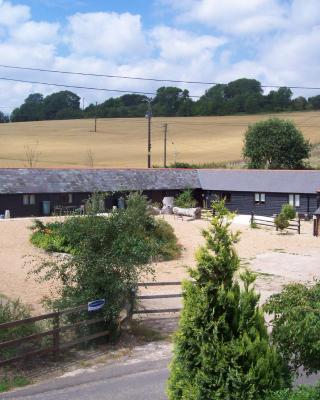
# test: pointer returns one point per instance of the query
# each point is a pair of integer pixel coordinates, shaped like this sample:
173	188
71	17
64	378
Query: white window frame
29	199
259	198
70	198
294	200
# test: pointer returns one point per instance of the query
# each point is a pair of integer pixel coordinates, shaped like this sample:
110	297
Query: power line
83	87
76	87
140	78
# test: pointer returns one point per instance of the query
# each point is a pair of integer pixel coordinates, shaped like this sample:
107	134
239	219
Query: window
294	200
226	196
259	198
29	200
66	198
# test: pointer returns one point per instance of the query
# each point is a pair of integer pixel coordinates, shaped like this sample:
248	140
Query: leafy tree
59	102
299	104
296	325
31	110
275	144
222	348
315	102
171	101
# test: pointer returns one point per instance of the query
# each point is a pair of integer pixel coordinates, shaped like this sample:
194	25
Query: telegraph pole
149	116
95	118
165	126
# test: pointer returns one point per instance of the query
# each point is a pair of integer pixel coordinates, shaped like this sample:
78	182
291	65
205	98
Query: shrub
110	254
70	235
12	310
165	240
222	348
300	393
296	325
281	222
185	199
289	211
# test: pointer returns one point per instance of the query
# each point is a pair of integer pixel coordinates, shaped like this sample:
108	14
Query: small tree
185	199
276	144
282	220
296	325
222	348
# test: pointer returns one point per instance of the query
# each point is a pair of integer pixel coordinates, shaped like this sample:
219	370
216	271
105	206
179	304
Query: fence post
252	218
299	225
56	335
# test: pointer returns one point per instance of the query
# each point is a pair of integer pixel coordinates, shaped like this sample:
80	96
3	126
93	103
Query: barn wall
243	202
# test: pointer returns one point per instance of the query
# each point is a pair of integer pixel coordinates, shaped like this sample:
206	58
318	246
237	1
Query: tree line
240	96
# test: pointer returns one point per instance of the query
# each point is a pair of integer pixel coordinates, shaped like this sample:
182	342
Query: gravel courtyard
277	258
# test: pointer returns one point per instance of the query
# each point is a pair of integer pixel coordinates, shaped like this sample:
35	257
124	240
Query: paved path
135	381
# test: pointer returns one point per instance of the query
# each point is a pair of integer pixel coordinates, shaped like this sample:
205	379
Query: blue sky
274	41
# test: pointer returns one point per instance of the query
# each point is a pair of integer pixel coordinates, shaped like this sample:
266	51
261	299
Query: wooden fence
56	322
294	225
143	310
55	334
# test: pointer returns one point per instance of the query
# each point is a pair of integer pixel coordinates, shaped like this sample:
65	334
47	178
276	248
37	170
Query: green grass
8	383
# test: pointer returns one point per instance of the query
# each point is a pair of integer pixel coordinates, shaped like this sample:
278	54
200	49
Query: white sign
96	304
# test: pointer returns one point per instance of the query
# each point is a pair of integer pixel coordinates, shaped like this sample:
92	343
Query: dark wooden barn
35	192
262	191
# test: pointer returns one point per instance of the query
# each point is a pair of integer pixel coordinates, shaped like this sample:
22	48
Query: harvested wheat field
121	142
277	258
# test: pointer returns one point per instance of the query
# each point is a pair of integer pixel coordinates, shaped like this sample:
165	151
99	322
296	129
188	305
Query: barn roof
272	181
38	180
46	180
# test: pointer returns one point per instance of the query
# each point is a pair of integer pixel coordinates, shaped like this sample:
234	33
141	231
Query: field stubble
121	142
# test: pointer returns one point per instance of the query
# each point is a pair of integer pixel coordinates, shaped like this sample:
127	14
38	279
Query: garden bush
70	235
289	211
296	325
12	310
110	255
185	199
300	393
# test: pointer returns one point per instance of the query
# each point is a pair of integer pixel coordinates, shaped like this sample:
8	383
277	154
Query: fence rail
54	333
294	225
56	318
155	297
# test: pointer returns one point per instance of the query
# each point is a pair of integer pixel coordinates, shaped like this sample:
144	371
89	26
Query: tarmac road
144	380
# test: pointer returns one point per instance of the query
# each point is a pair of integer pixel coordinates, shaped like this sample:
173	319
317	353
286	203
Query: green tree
275	144
171	101
222	348
4	118
64	102
315	102
31	110
296	325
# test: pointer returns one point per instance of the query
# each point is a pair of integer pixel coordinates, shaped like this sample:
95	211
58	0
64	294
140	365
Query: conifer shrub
222	348
185	199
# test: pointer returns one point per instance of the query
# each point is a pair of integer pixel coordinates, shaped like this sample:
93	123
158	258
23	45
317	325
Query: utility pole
165	126
95	118
149	116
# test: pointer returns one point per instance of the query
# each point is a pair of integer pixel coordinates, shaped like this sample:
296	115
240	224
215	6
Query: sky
274	41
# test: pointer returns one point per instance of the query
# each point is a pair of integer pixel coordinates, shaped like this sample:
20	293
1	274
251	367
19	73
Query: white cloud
35	32
109	35
11	15
232	16
180	44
